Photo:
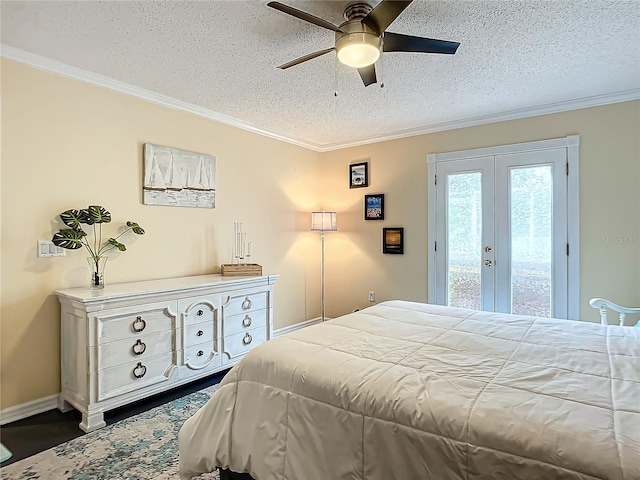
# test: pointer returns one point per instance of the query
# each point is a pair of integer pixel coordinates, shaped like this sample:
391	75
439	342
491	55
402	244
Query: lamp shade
324	221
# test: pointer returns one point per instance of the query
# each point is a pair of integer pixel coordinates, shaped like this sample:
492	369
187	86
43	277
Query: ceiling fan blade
396	42
384	14
305	16
368	74
305	58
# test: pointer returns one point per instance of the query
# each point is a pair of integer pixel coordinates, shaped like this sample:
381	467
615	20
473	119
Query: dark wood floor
40	432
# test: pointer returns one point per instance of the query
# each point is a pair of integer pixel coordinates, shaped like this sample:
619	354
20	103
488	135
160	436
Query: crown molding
65	70
62	69
595	101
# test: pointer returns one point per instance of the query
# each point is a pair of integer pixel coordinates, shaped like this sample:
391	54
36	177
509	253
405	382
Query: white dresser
132	340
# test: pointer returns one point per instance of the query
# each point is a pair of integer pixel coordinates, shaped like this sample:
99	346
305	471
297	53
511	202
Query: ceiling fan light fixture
359	40
359	49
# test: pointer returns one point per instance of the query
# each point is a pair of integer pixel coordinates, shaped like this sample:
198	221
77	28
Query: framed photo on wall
374	207
393	240
359	175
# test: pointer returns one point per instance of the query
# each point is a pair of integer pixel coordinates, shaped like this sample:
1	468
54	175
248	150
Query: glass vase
97	271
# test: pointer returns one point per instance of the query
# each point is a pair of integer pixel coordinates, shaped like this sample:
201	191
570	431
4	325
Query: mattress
405	390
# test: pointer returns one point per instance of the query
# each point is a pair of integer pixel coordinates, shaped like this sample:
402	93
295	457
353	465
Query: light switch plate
47	248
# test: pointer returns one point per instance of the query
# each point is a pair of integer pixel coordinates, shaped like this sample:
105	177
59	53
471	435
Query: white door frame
572	144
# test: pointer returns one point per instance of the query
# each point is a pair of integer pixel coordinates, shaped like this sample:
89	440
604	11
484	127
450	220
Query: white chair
603	305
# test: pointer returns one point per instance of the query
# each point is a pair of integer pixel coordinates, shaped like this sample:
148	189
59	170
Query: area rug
143	447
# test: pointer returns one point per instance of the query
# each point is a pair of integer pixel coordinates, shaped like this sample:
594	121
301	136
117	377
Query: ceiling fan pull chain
335	77
382	63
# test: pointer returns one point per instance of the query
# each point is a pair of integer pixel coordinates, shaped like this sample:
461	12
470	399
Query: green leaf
97	214
68	238
72	218
84	217
117	244
136	228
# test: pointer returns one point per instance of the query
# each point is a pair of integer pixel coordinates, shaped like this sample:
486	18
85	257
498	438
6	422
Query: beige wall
609	167
67	144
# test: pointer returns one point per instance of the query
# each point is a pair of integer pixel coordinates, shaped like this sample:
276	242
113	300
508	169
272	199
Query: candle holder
241	258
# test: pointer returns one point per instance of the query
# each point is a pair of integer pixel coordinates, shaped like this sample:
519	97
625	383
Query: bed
406	390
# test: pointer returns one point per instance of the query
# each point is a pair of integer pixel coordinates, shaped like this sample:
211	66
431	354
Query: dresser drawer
203	355
198	333
134	375
137	347
241	343
245	321
198	311
122	323
246	303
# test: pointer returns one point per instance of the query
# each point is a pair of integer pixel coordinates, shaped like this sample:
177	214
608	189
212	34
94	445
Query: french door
501	230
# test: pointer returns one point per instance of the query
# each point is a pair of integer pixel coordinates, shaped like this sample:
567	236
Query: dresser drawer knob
139	347
246	340
246	322
199	313
200	333
200	353
246	305
140	370
139	325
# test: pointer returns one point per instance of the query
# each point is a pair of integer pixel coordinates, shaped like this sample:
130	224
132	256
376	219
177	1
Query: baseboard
28	409
45	404
297	326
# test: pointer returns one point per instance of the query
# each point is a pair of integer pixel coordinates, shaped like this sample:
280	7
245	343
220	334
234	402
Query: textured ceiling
222	56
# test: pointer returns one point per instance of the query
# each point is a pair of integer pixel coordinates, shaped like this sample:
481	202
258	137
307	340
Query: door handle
487	263
487	249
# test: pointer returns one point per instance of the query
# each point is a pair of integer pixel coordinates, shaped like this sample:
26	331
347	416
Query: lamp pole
323	222
322	274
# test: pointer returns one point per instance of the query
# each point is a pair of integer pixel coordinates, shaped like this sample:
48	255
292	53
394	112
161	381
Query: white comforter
413	391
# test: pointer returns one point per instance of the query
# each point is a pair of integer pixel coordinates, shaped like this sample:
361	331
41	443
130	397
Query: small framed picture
393	240
359	175
374	207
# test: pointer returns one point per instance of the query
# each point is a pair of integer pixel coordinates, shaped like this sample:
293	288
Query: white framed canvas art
178	178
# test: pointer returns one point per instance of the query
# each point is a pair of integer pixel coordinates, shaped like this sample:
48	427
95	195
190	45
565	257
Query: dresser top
165	285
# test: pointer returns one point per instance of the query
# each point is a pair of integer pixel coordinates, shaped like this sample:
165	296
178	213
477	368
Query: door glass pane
464	230
531	240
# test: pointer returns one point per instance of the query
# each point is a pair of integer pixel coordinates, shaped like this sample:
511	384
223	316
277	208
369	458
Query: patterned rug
143	447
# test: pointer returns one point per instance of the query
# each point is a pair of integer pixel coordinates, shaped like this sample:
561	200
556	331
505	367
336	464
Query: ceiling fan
361	38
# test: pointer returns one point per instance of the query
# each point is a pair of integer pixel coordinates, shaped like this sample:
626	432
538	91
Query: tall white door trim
572	144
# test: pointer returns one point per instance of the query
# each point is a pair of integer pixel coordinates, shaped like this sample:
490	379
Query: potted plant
74	237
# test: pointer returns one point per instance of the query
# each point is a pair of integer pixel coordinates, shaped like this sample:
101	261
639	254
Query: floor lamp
323	222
